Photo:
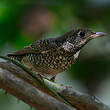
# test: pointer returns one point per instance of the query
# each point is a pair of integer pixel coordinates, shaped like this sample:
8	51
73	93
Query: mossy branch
18	81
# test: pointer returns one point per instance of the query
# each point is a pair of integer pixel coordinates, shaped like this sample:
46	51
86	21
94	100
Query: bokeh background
23	21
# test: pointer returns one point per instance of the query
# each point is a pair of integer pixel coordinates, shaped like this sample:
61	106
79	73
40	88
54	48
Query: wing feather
40	46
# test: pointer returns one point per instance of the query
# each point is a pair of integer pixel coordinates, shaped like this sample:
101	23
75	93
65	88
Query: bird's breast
51	63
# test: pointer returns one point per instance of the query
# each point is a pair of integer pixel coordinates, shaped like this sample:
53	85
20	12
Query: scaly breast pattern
49	63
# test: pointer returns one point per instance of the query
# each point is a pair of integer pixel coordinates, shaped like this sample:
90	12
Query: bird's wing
40	46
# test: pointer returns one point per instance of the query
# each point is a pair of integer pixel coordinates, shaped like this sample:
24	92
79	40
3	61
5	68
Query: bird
51	56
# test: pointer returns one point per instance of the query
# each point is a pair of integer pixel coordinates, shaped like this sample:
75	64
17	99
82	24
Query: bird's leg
40	75
53	79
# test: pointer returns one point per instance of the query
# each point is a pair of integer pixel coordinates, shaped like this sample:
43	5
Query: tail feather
15	57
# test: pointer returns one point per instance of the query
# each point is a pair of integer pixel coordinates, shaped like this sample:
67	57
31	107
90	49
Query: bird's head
77	38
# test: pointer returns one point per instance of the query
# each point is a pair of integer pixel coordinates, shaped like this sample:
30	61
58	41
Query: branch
78	100
29	94
26	76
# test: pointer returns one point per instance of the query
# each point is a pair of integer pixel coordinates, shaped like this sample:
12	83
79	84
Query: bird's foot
40	75
68	87
53	78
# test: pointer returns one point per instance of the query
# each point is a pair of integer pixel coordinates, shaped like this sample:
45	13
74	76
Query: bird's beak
97	34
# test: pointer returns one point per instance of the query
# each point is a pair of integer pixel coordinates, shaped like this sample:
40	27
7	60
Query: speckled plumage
53	55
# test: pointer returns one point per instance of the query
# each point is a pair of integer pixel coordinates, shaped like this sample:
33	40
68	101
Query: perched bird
54	55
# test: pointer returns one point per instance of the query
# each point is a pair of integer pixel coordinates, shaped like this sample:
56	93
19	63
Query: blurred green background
23	21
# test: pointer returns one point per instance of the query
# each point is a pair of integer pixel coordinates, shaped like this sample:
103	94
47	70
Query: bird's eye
82	34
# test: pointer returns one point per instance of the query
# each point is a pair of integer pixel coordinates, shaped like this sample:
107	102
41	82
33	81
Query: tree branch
78	100
29	94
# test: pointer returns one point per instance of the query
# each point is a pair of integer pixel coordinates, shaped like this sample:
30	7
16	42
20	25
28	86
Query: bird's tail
15	57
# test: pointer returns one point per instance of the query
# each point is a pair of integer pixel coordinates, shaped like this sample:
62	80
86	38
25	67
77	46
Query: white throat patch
76	54
68	46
